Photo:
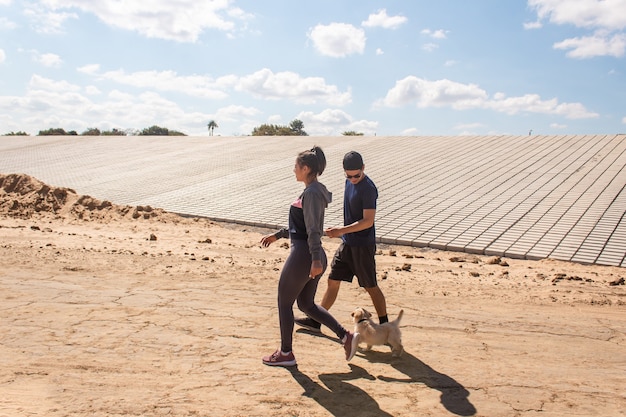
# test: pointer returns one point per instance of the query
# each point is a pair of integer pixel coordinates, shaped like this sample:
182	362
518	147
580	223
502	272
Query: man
355	254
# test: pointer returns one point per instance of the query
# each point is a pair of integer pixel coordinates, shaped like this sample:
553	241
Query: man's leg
327	301
331	294
378	299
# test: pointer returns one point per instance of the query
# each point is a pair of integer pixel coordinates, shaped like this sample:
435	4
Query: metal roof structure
532	197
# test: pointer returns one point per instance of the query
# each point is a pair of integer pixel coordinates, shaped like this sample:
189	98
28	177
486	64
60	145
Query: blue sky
412	67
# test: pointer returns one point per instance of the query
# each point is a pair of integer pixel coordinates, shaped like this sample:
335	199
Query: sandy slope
121	311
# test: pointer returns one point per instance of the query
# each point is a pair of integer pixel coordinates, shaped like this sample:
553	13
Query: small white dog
373	334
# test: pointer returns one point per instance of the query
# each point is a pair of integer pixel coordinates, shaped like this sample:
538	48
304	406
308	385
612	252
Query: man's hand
334	232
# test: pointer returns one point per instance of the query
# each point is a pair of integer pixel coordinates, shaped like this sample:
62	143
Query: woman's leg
293	278
306	303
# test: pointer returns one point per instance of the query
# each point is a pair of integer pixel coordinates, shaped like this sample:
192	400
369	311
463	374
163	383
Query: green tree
159	131
295	128
352	133
212	125
92	131
264	130
57	131
114	132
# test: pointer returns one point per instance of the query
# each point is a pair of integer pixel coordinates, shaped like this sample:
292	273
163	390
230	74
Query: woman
307	261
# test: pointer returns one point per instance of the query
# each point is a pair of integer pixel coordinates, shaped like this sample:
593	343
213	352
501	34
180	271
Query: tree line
295	128
94	131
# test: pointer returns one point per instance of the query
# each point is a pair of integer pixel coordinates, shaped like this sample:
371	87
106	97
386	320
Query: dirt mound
24	196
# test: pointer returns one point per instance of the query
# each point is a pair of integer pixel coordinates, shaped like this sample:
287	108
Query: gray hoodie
315	199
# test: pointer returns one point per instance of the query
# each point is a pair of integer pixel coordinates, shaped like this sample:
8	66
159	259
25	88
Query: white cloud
381	19
48	60
6	24
450	63
39	83
558	126
289	85
533	25
48	103
91	69
436	34
46	21
596	45
338	40
412	131
275	119
379	51
192	85
235	112
434	94
458	96
469	126
624	120
92	90
182	20
334	121
607	18
263	84
3	56
605	14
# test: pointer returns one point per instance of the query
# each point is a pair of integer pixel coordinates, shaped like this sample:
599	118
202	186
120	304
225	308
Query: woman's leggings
296	285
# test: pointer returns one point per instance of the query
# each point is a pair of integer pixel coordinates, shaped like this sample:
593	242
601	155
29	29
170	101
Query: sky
386	68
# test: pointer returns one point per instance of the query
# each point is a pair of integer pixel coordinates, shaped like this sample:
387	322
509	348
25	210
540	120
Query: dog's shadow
454	396
336	395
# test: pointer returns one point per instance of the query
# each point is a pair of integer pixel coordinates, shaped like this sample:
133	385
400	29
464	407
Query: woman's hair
313	158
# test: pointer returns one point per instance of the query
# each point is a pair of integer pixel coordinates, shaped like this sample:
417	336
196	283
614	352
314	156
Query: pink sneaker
351	344
278	359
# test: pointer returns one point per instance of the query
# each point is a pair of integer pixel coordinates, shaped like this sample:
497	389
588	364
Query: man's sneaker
278	359
351	344
309	324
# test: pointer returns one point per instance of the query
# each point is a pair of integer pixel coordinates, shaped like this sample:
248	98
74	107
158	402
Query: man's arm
365	223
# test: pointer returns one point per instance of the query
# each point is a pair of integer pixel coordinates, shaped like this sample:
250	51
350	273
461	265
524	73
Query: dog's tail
400	314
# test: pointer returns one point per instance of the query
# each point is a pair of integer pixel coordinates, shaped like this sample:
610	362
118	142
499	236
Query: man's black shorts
349	261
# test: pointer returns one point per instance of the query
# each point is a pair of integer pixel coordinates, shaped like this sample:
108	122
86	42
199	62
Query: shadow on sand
339	397
454	396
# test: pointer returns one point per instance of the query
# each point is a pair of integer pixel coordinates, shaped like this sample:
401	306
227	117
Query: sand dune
111	310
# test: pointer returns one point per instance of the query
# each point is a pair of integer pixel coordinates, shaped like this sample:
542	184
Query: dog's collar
362	320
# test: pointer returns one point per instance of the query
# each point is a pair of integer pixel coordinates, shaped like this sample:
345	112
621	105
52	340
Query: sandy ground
131	311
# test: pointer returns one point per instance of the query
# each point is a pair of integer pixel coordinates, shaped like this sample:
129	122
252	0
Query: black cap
352	161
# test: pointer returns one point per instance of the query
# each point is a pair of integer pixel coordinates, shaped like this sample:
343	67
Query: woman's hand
268	240
316	269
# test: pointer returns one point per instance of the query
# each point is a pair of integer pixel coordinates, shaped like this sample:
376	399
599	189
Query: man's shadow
454	396
337	396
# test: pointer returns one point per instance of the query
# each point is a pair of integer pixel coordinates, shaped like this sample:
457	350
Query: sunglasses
355	176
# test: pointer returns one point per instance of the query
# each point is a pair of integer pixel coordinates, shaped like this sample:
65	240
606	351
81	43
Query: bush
159	131
295	128
92	131
16	134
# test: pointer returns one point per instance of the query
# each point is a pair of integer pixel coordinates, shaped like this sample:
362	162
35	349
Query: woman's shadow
342	399
337	396
454	396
